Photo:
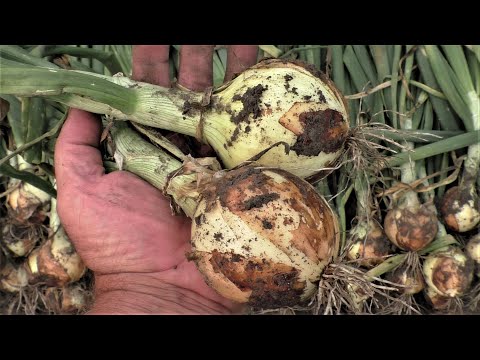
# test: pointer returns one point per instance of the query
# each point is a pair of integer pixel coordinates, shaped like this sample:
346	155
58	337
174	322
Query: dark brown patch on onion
272	284
323	131
260	200
414	230
449	210
50	272
251	104
448	274
267	224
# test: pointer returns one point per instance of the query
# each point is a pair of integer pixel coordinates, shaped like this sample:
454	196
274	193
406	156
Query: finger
239	58
196	67
150	64
77	157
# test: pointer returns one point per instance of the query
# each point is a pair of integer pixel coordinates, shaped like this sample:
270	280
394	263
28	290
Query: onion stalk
284	112
460	206
370	246
410	225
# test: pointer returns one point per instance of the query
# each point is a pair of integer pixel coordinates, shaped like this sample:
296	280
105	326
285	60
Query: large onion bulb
262	236
273	101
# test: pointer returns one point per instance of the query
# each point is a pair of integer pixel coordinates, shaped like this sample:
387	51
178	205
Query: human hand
122	226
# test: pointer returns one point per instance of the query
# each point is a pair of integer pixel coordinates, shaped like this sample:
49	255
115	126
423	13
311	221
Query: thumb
77	155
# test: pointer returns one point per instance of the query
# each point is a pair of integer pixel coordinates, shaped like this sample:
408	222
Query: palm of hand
119	223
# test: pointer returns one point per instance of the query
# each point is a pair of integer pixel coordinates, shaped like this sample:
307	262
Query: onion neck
472	164
117	96
151	164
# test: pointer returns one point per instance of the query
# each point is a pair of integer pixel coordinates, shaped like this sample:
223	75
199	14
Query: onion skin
17	239
438	301
278	100
55	263
27	203
373	250
411	229
460	208
262	236
12	278
473	250
449	272
71	299
414	283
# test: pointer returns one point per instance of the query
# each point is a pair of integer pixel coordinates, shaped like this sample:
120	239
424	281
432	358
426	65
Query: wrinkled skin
121	226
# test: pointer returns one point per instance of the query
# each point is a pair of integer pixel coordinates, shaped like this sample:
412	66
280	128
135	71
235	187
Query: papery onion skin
20	239
371	251
263	236
72	299
13	278
473	250
460	208
413	282
411	229
28	203
278	100
436	300
449	272
55	263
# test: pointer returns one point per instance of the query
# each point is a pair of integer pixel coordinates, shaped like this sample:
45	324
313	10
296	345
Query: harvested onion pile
387	227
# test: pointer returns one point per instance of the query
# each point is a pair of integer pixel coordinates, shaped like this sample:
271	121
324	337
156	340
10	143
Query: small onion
263	236
460	208
371	249
28	203
438	301
411	281
13	278
71	299
20	239
449	272
411	228
55	263
473	250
